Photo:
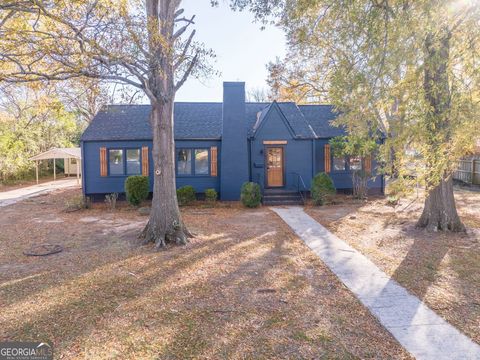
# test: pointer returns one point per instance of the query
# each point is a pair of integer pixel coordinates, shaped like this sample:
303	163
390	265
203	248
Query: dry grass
244	288
441	269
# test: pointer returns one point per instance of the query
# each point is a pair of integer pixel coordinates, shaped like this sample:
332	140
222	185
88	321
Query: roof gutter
150	139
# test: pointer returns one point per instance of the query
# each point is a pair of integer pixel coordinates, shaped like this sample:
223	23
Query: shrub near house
250	194
186	195
211	195
322	189
136	189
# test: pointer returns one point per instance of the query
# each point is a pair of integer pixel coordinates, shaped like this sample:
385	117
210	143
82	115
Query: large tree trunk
440	212
165	223
393	162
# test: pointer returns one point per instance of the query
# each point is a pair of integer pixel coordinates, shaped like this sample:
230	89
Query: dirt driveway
244	288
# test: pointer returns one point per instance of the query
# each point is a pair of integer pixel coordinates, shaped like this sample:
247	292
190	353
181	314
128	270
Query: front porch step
282	202
280	192
281	197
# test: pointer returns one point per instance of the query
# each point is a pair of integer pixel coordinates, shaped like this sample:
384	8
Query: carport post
54	170
36	170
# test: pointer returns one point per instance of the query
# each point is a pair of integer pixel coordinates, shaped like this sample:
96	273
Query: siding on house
343	179
93	183
201	182
237	129
298	153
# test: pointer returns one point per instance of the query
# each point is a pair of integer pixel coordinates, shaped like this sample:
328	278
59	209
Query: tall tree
257	94
145	44
407	68
297	80
86	96
31	121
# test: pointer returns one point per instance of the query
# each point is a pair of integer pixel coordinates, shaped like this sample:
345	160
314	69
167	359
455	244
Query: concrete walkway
417	328
14	196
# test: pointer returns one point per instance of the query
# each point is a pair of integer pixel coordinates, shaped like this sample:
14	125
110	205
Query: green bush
185	195
322	189
250	194
211	195
136	189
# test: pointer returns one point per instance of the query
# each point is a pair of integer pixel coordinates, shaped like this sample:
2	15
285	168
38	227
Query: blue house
279	145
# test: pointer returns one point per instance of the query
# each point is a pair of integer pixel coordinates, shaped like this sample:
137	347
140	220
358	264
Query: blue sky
242	49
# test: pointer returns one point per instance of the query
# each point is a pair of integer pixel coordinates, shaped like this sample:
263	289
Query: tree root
440	225
440	212
178	235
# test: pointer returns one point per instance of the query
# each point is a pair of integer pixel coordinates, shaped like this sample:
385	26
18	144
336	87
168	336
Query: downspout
84	190
314	158
250	159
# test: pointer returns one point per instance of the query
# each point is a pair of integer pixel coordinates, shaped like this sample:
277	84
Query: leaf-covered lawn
244	288
441	269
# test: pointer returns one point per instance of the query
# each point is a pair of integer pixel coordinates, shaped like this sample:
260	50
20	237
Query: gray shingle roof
253	112
203	121
131	122
198	120
120	122
320	117
297	121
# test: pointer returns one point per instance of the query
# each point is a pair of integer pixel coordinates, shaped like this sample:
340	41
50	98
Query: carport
59	153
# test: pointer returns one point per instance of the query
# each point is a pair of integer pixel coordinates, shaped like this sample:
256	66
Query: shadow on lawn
236	302
74	307
89	299
420	266
442	269
202	300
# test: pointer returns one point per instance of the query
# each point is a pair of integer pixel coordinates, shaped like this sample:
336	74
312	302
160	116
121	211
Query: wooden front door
274	166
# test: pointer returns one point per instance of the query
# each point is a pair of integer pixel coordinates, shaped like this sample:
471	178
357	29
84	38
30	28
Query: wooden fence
468	171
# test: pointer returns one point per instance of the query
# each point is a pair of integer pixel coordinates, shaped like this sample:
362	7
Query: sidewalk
14	196
416	327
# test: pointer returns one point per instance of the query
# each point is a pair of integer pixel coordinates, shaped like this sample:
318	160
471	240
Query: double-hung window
355	163
115	161
192	162
133	162
339	163
352	163
124	162
184	162
201	162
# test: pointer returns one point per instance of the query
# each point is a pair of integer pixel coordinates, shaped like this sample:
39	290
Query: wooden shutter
103	161
328	162
145	170
368	164
213	161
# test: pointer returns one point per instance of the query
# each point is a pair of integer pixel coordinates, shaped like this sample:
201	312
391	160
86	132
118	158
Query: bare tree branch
187	73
